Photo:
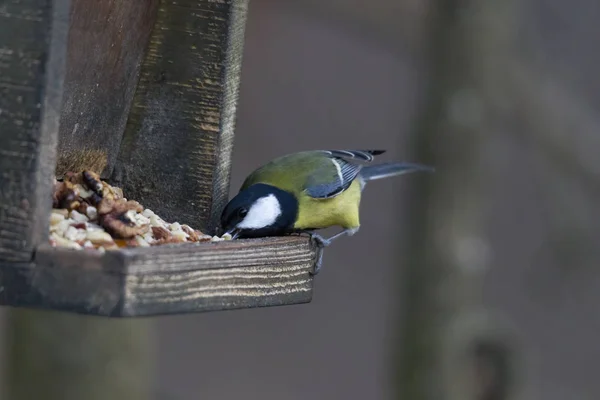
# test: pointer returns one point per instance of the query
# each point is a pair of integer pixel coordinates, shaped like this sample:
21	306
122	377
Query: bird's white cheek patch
262	213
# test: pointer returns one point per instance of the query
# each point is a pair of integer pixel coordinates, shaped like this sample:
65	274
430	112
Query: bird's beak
234	232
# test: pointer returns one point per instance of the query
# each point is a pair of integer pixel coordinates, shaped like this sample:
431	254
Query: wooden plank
33	37
107	41
229	254
165	279
78	286
229	275
217	289
176	152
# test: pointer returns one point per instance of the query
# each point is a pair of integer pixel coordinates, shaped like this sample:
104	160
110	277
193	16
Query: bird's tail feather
385	170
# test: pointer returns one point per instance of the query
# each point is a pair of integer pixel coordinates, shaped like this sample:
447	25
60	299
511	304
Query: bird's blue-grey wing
333	176
361	155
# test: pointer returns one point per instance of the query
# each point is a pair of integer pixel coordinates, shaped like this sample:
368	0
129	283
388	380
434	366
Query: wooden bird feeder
144	93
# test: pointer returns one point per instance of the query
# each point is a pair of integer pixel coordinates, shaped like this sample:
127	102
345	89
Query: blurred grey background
502	97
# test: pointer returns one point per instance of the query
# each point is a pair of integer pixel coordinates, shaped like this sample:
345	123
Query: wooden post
32	61
453	348
176	151
51	356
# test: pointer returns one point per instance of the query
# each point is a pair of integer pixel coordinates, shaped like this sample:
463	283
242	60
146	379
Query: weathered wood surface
175	155
107	41
166	279
33	41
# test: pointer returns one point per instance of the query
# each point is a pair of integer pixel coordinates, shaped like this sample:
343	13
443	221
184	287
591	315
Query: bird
306	191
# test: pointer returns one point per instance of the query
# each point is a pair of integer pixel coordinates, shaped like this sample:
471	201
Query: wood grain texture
107	41
32	58
165	279
176	151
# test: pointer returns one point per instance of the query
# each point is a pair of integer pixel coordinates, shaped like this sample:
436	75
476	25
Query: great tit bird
306	191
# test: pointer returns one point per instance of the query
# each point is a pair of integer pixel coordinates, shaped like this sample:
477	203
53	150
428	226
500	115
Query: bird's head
259	210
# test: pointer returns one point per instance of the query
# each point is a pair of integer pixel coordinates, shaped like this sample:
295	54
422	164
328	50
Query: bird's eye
242	212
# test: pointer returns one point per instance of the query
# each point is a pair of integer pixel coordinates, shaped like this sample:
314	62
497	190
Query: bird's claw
319	240
321	243
319	262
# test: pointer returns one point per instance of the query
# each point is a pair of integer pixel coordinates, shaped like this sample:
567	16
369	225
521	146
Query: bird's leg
322	242
349	232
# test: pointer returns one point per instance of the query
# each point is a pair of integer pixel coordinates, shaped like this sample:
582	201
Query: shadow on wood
106	44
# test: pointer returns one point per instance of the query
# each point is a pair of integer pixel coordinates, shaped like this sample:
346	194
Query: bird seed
89	214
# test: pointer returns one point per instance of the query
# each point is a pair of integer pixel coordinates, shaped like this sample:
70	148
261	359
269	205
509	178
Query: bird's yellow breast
341	210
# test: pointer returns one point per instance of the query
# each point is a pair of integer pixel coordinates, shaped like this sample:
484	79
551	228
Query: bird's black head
258	211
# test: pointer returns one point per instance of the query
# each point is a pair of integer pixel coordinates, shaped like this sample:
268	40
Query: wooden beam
107	41
176	153
166	279
33	43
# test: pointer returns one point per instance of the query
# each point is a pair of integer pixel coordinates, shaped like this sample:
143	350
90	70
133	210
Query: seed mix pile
88	213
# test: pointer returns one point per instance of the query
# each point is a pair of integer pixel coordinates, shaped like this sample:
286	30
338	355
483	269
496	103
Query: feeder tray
143	94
